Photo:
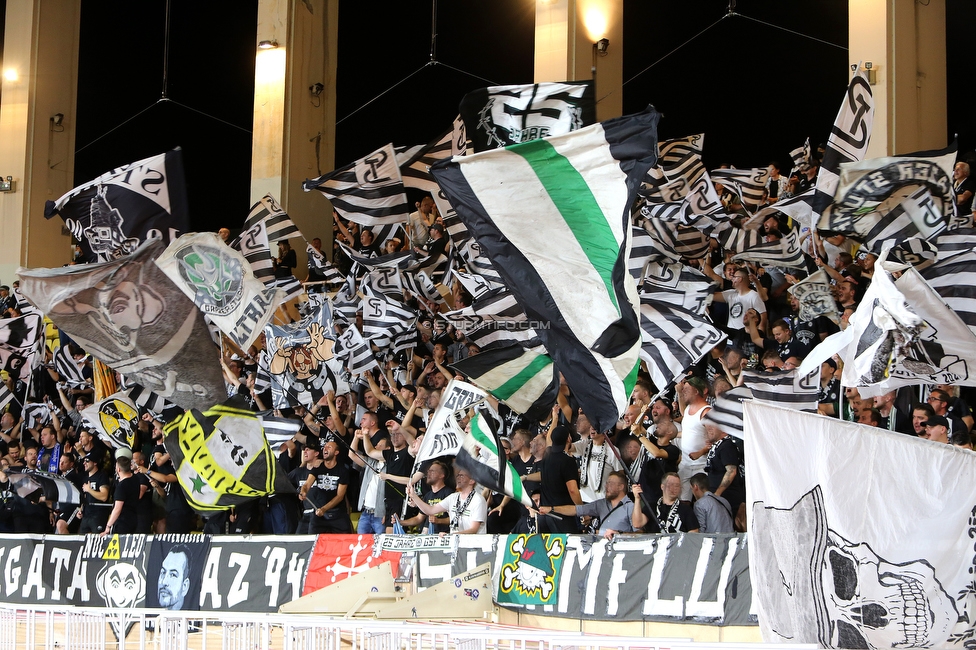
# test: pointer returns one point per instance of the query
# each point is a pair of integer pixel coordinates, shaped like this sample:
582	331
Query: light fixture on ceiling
267	45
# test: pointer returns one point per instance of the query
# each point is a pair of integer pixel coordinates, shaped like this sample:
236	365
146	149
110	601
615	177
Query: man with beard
559	477
611	514
325	488
174	578
671	515
663	457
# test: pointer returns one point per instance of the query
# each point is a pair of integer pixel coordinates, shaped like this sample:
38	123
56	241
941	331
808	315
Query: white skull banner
847	553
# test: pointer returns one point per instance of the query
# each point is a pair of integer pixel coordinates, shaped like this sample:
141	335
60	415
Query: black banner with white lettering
701	579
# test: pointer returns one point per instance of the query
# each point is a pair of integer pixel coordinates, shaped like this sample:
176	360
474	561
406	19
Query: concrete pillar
565	34
40	78
294	129
905	42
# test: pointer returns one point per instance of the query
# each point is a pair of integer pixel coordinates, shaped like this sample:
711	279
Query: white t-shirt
740	304
477	510
602	459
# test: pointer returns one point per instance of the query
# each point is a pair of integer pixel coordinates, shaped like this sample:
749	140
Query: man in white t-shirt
466	508
741	298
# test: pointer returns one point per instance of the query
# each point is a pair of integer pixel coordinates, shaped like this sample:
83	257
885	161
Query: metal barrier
73	628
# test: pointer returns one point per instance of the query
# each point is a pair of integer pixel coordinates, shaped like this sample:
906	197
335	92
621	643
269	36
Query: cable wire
676	49
791	31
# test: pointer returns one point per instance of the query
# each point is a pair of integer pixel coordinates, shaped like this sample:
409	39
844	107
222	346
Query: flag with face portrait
301	360
220	283
129	315
113	214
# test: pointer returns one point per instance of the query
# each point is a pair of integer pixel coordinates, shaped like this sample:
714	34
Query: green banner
530	569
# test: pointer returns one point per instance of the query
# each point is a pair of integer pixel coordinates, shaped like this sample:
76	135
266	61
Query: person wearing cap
693	406
95	511
128	491
936	429
298	477
438	241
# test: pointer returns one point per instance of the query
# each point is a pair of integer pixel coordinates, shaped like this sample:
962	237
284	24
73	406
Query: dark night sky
756	91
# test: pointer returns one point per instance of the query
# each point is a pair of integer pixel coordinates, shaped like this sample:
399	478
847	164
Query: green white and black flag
525	380
578	189
479	454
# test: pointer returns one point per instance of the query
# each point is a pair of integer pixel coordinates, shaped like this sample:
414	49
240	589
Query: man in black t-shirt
325	489
399	463
559	475
437	491
124	516
95	511
299	476
669	513
722	467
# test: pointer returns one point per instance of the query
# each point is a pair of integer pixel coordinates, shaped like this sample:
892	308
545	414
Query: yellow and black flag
222	457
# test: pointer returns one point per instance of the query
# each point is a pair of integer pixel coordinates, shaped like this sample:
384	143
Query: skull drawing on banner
872	603
815	586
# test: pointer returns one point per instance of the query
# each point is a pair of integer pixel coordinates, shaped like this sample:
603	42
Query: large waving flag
128	314
222	457
674	339
369	191
111	215
221	284
553	216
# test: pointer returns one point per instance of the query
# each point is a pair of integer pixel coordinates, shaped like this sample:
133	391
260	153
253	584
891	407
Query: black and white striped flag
679	285
726	411
68	368
321	268
786	388
398	260
737	239
346	302
901	217
385	282
951	242
525	380
784	252
5	396
354	351
914	251
36	415
748	184
419	284
642	251
953	277
801	154
265	218
475	284
415	167
675	242
495	305
368	191
384	319
404	342
674	339
279	430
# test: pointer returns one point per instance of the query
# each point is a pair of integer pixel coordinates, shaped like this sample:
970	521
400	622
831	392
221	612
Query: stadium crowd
664	467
